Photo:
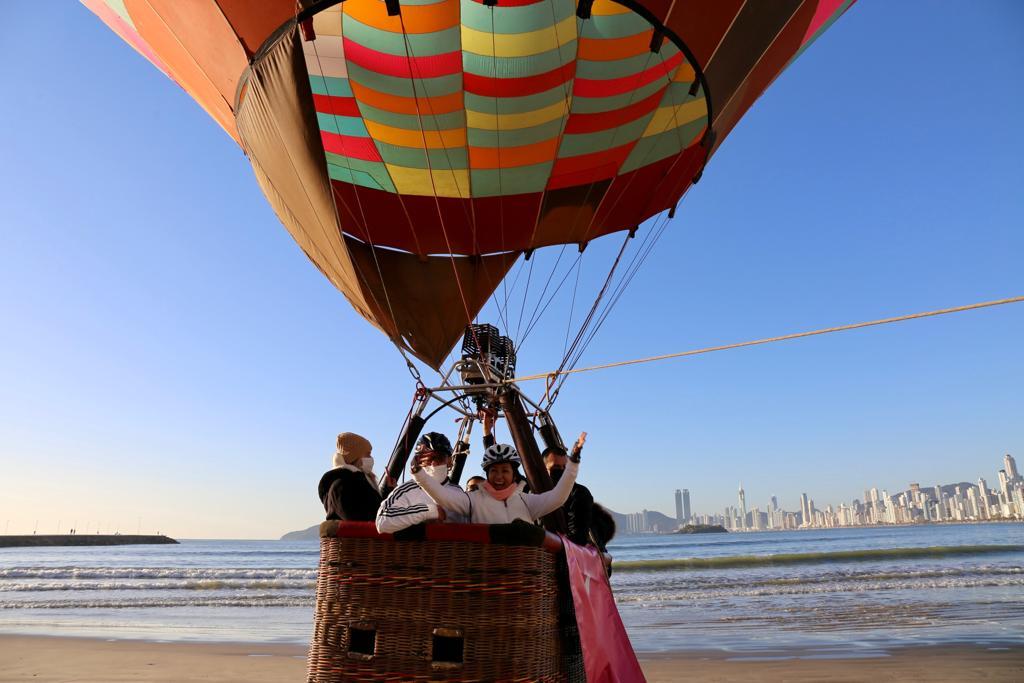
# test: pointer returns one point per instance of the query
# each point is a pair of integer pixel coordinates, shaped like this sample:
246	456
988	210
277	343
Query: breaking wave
120	587
154	602
202	585
188	574
867	555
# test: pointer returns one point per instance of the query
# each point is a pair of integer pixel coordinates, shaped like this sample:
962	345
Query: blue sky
170	359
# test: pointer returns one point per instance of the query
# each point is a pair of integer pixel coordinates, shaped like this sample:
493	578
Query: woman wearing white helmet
501	499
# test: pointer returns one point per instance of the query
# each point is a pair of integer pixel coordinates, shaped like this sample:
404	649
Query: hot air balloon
416	150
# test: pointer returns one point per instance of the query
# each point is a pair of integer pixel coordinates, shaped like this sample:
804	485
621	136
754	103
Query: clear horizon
170	355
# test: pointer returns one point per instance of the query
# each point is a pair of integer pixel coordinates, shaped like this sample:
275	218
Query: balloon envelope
415	149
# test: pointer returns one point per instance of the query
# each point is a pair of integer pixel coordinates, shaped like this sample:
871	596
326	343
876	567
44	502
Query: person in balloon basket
409	504
501	499
349	490
579	507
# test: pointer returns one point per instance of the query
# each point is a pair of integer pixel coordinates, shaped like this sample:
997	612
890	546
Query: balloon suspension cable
797	335
639	257
542	305
585	324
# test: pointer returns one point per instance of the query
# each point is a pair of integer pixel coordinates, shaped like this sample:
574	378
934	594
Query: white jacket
481	508
409	504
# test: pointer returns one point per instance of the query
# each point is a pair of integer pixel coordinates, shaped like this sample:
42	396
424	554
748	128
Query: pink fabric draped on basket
608	656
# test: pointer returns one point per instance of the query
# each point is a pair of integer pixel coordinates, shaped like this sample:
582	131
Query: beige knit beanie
351	447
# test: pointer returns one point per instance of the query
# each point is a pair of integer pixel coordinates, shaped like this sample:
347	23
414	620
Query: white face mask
436	472
365	465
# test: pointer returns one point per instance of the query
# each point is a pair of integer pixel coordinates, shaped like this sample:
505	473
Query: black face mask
556	474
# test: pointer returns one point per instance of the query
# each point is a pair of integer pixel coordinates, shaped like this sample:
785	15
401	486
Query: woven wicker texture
501	600
569	631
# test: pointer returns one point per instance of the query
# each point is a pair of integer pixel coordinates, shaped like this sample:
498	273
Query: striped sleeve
402	509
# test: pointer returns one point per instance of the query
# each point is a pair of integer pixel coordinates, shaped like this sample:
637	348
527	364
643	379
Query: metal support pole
522	436
403	448
461	451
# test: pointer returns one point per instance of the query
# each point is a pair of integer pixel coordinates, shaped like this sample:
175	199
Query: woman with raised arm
500	499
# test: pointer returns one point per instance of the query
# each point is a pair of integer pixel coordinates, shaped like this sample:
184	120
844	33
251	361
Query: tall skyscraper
1010	465
686	506
983	498
915	493
743	507
679	506
805	514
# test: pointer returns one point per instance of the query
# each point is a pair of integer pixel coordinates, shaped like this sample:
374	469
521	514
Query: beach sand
82	660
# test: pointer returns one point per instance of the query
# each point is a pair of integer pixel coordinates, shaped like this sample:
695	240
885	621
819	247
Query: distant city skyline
950	502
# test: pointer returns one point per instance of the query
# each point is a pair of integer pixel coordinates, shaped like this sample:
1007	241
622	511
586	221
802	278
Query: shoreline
87	660
81	540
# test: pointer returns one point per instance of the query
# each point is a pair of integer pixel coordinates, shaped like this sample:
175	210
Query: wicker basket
451	607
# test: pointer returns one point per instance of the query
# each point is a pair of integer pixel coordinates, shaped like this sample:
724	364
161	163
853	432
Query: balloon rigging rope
639	256
575	265
572	305
590	315
642	252
769	340
540	298
526	294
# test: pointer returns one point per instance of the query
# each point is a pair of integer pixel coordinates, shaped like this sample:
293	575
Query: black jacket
347	495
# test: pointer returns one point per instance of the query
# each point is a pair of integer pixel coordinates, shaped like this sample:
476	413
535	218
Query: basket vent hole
448	647
362	641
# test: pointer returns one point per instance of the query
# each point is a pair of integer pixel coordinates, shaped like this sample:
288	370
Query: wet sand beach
84	660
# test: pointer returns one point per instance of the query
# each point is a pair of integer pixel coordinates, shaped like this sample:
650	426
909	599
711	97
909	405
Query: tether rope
769	340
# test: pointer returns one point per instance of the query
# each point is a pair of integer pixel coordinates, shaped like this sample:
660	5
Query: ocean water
828	591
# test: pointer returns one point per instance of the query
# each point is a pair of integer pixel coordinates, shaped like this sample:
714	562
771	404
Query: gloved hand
577	448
